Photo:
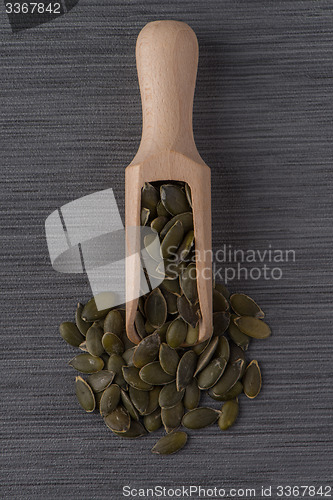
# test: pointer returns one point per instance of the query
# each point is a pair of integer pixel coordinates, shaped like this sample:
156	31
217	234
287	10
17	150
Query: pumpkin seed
253	327
200	417
229	414
118	420
188	283
83	326
220	303
174	199
172	417
112	344
115	363
153	421
136	430
98	397
223	348
94	341
176	333
163	330
153	400
192	335
172	286
154	374
186	219
149	328
172	240
212	373
171	269
221	321
171	443
234	392
237	336
86	363
131	375
101	380
199	348
159	223
147	350
139	323
186	246
206	355
92	313
140	399
114	323
161	211
169	395
243	305
252	380
71	334
156	308
222	289
229	378
171	301
188	194
169	359
185	370
192	395
189	312
109	400
149	198
84	395
144	216
126	400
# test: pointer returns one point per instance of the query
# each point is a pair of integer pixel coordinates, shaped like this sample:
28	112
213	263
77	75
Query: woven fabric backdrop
70	123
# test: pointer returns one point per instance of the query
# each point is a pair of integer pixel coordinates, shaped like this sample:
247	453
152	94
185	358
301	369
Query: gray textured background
70	123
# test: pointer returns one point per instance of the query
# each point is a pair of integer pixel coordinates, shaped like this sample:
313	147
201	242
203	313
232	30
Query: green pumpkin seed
118	420
115	363
188	283
169	359
112	344
109	400
222	289
221	321
192	335
200	417
186	246
161	211
114	323
171	301
171	269
192	395
163	330
229	378
83	326
153	400
186	219
212	373
94	341
245	306
153	421
128	356
229	414
174	199
169	395
140	399
126	400
188	194
141	305
84	395
199	348
154	374
206	355
220	303
159	223
139	323
176	333
86	363
156	308
149	328
185	370
147	350
172	240
92	313
149	198
132	377
136	430
253	327
98	397
237	336
171	443
101	380
234	392
71	334
235	354
252	380
190	313
144	216
172	286
223	348
172	417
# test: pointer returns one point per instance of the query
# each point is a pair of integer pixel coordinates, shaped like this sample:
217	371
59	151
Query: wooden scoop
167	60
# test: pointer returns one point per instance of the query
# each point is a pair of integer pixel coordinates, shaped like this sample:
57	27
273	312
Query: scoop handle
167	62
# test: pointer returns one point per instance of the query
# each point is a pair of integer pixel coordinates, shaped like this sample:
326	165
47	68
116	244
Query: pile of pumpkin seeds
159	382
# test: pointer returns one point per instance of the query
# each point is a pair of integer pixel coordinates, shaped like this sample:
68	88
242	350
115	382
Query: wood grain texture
70	123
